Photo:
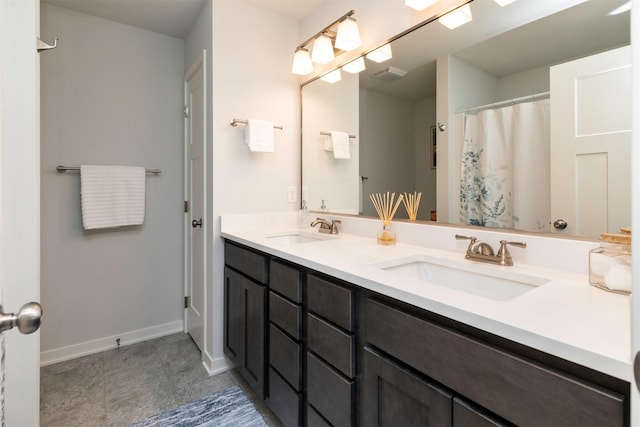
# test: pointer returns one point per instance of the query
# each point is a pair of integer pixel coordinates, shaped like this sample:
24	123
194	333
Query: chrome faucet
326	226
481	251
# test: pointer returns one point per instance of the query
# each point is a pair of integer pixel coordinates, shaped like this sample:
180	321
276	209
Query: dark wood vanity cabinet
331	352
285	343
494	380
245	293
323	352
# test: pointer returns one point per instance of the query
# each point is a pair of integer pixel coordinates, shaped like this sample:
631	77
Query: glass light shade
348	37
322	50
421	4
504	2
332	77
354	67
381	54
458	17
301	62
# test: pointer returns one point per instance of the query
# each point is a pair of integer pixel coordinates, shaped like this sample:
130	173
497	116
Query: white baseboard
215	366
61	354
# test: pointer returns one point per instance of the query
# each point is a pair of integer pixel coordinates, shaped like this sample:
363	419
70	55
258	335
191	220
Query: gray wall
110	94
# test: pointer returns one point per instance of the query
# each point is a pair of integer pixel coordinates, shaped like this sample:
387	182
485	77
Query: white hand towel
259	136
340	145
112	196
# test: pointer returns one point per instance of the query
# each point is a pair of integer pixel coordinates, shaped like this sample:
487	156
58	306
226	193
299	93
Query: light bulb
355	66
322	50
301	62
332	77
419	5
348	37
381	54
458	17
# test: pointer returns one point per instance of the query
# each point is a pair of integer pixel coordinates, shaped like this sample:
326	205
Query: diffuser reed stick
384	206
411	203
386	209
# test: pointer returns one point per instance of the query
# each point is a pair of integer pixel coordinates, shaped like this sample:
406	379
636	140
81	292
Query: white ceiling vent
389	74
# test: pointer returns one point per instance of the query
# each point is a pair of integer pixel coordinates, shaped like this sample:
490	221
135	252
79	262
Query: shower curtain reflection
505	167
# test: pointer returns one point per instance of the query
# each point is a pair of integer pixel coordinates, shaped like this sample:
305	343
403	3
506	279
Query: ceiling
174	17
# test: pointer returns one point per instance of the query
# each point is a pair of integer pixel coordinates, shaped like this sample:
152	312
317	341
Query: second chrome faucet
481	251
326	226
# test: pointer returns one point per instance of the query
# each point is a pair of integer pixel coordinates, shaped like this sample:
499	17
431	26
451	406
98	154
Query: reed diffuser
386	209
411	203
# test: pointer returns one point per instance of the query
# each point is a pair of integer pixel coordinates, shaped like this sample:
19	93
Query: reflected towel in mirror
340	142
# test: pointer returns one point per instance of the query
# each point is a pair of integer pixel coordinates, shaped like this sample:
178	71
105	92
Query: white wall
251	79
111	94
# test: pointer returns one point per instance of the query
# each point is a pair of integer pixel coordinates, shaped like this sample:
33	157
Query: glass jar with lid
610	264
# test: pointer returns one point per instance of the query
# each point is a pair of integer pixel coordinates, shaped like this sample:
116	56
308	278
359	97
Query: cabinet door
234	317
394	396
255	362
244	333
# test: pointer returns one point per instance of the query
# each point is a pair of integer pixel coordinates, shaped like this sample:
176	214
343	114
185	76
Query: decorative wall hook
441	127
40	45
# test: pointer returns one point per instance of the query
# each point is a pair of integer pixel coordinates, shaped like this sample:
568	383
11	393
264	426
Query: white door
591	143
195	228
19	201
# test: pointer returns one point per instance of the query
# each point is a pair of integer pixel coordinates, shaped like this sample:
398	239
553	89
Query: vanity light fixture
457	17
503	3
340	36
355	66
302	62
381	54
420	5
322	50
332	77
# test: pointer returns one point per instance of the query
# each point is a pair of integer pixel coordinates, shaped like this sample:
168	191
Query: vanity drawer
314	419
284	401
284	356
246	261
332	344
508	385
285	314
331	301
285	280
467	415
329	392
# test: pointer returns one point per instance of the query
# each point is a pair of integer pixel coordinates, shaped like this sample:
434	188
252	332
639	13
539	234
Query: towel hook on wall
40	45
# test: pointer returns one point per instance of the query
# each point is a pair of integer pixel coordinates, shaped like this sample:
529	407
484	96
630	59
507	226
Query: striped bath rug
229	407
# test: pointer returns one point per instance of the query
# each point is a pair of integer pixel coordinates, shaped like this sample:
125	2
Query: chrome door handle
560	224
27	320
197	223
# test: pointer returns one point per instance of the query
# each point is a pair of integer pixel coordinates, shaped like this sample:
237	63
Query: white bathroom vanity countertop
565	317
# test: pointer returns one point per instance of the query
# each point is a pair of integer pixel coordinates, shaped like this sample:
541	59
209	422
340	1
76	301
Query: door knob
560	224
197	223
27	320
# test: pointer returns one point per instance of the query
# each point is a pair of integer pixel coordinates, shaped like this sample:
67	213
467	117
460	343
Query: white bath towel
112	196
259	136
340	142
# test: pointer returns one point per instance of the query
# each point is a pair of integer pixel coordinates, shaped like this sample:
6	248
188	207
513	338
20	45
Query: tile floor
121	386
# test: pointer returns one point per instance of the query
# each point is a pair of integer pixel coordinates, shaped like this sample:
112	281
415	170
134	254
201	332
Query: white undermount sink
293	238
487	281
